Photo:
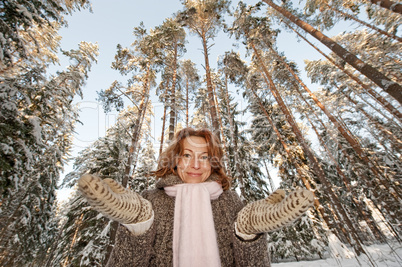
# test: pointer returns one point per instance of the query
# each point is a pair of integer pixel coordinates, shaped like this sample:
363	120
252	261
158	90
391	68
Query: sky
112	23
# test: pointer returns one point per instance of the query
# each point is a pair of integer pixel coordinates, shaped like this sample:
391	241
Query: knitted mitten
274	212
114	201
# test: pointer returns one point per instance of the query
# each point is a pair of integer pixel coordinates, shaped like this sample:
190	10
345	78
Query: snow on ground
381	256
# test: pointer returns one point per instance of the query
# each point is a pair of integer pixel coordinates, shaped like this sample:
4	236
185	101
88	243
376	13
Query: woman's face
194	166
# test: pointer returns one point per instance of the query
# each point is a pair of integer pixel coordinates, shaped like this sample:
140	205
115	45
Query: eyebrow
193	151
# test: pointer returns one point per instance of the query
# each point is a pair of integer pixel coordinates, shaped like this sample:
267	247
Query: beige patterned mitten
114	201
274	212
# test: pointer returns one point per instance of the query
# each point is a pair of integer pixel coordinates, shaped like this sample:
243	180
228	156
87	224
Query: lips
194	174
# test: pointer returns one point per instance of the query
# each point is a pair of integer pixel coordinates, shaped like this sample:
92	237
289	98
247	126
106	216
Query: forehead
195	144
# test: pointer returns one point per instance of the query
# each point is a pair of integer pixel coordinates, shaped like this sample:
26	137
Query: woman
191	218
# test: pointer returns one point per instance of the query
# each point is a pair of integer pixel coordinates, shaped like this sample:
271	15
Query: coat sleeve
249	252
132	250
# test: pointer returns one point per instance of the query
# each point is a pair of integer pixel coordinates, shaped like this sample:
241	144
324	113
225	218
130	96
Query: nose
195	163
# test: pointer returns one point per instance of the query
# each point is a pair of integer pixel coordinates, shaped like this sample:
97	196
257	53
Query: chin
192	181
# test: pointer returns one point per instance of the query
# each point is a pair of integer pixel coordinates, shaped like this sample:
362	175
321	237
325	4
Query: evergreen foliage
341	140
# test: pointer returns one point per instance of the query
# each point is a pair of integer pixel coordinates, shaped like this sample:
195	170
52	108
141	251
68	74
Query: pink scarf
194	235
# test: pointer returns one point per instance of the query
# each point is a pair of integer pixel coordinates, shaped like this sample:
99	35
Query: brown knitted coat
154	248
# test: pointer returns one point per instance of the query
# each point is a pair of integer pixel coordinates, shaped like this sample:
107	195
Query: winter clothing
155	246
274	212
114	201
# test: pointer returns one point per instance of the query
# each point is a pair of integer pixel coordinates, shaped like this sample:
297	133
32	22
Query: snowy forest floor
381	256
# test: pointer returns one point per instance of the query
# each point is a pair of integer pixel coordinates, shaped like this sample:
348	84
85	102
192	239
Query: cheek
207	167
182	164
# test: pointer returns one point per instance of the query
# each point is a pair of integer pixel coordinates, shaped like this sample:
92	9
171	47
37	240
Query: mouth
194	174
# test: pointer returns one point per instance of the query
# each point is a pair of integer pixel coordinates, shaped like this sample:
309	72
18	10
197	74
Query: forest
340	138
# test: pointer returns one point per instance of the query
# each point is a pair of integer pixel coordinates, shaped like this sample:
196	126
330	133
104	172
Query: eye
204	158
187	156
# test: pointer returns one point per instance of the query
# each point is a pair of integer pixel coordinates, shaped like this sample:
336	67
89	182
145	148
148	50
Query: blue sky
112	23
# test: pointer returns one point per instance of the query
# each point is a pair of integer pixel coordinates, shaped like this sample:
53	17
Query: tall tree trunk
384	205
223	139
214	117
163	129
77	223
395	7
173	97
270	180
346	15
187	89
164	117
114	225
131	161
299	169
238	174
50	252
382	101
339	170
137	128
10	219
138	147
172	116
342	129
315	164
346	181
389	86
129	168
396	142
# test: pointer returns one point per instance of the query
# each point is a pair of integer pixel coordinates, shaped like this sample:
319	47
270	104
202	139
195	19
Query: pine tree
190	81
204	18
86	235
146	164
41	122
172	37
19	18
244	164
258	37
141	62
382	81
395	7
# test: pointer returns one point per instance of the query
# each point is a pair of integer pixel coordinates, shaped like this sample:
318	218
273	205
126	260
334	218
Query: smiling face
194	165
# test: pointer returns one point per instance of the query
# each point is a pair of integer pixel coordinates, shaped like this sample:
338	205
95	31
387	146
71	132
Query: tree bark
164	117
137	128
214	116
187	89
238	174
135	136
315	164
396	142
163	129
173	97
344	132
346	15
346	181
78	224
395	7
299	169
389	86
382	101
